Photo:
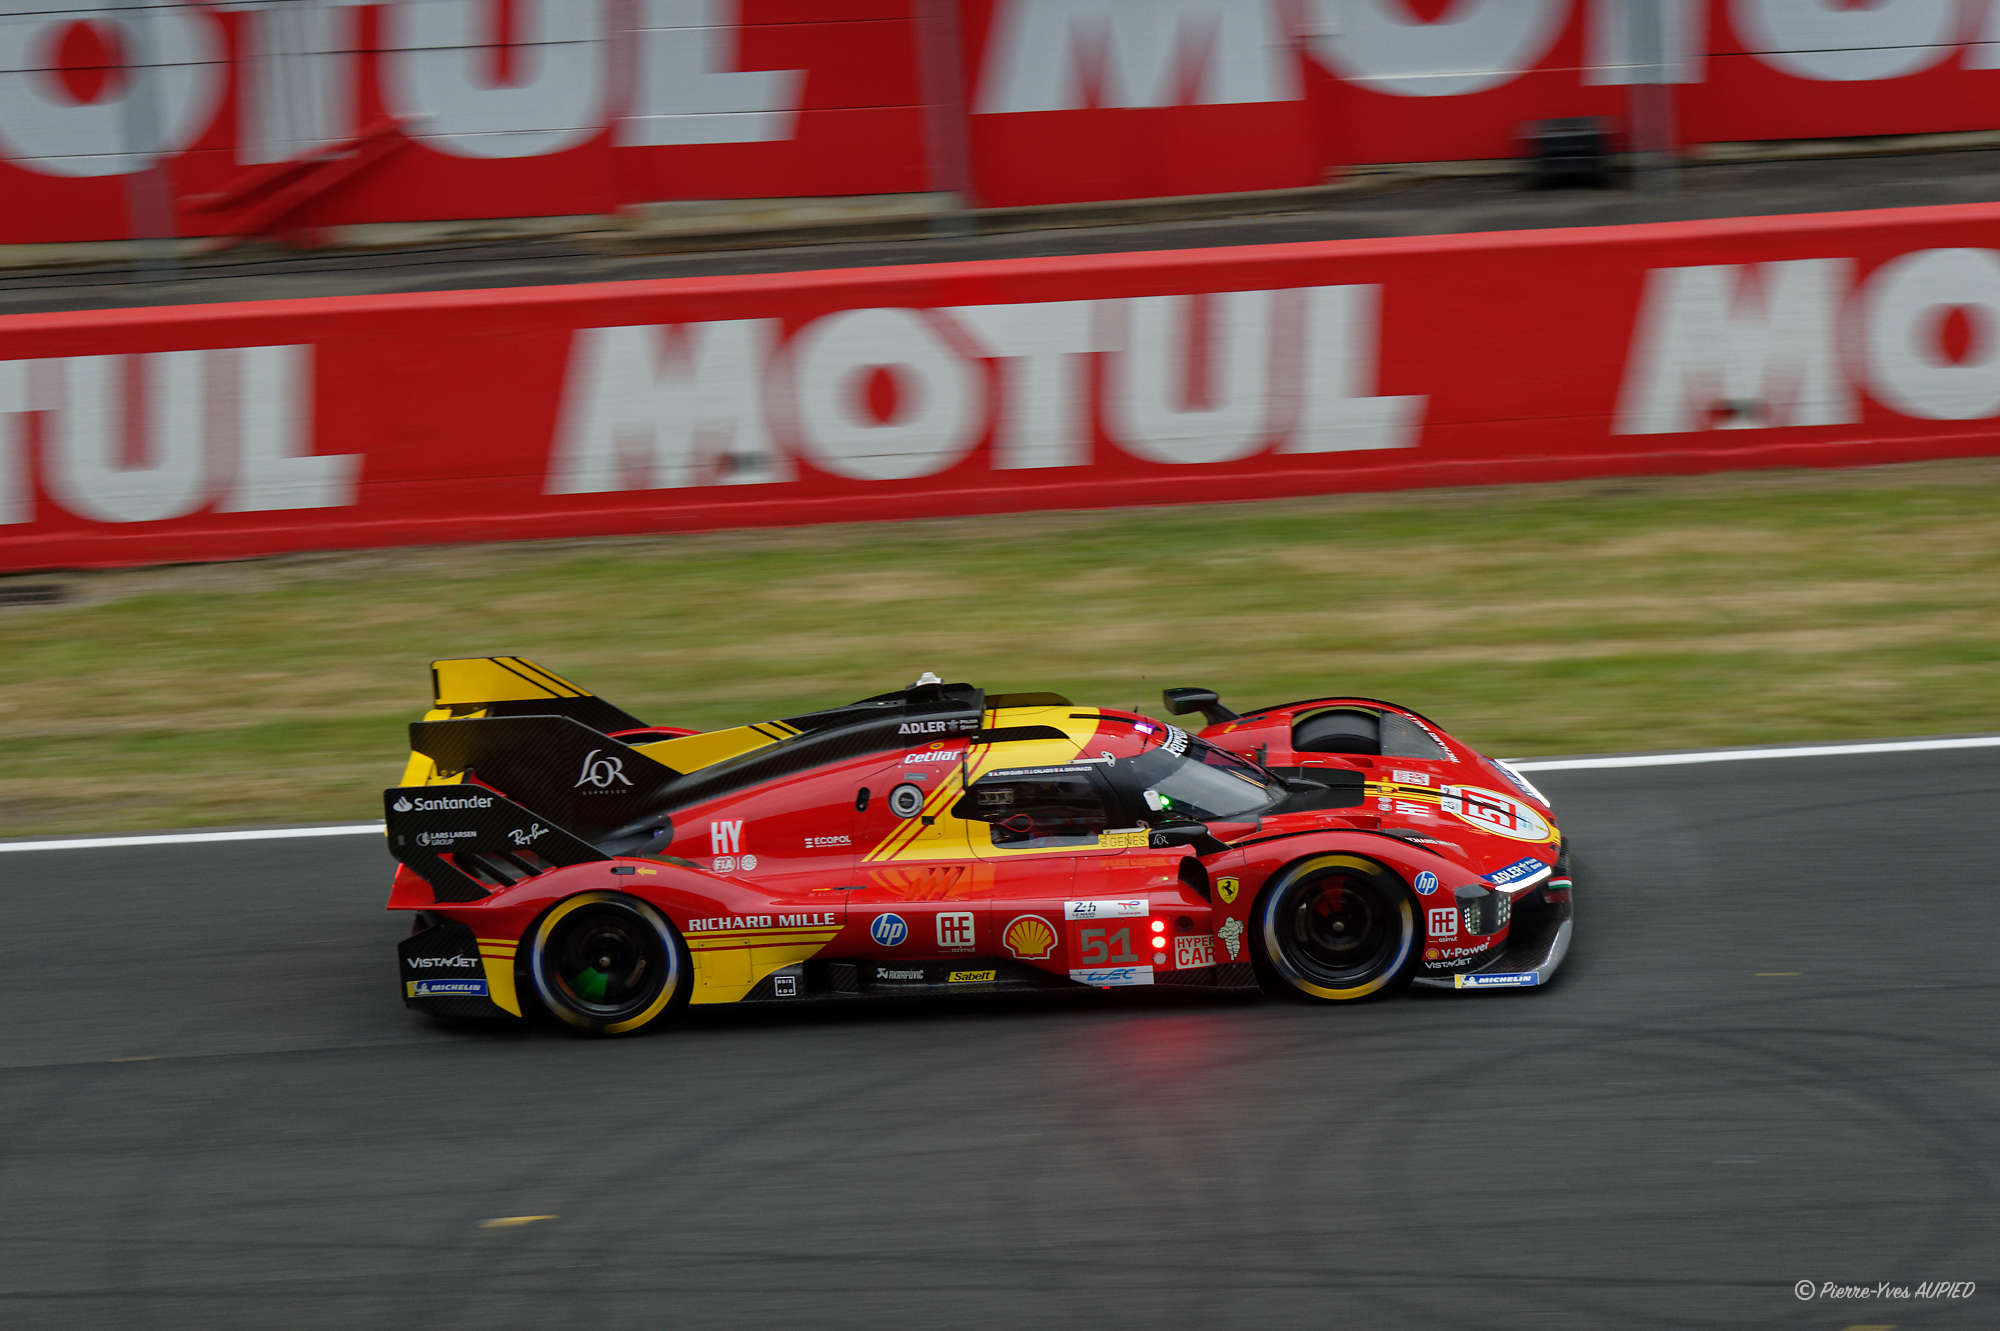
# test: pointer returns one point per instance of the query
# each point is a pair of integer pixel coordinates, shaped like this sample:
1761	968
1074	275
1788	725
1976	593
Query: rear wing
475	686
465	841
594	786
516	686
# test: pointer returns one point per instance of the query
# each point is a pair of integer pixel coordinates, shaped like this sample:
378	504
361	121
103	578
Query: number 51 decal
1105	945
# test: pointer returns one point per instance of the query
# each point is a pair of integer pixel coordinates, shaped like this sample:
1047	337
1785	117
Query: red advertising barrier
209	432
520	108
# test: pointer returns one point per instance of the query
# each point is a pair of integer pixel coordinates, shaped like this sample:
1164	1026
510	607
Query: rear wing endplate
434	829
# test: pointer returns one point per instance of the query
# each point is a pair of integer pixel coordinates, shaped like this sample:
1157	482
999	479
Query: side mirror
1186	834
1206	701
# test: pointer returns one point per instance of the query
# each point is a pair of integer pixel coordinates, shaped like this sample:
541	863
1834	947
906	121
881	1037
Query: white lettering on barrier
254	458
1338	350
648	407
1661	41
1905	305
1474	45
1042	54
298	84
1762	343
1840	41
1146	407
1703	340
437	71
940	400
15	502
168	102
1044	410
653	408
686	91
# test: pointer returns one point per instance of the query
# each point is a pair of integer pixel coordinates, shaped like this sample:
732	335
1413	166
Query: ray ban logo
601	773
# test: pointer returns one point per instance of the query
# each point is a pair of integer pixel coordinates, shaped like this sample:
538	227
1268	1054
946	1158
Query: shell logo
1029	937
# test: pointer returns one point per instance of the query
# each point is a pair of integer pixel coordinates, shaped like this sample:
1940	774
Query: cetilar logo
402	804
601	773
888	930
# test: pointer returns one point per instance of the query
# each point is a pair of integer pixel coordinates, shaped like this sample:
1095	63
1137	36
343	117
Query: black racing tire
607	964
1337	928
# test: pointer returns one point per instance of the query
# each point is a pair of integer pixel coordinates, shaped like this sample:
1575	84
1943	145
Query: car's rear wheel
1338	928
607	964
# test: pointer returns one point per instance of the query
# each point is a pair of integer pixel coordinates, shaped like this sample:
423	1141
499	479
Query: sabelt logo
1029	937
971	977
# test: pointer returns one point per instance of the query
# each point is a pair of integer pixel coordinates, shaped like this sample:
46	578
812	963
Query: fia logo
888	930
601	773
725	837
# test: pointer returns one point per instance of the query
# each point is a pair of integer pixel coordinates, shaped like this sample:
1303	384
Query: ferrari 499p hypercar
561	854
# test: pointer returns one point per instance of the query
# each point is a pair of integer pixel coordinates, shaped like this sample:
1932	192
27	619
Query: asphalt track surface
1771	1058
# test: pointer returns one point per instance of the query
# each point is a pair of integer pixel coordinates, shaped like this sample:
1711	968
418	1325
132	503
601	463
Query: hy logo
888	930
601	773
402	804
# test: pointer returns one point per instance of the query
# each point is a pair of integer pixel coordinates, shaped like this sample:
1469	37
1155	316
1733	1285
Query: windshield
1201	783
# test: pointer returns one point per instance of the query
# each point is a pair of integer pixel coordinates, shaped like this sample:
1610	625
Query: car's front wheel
607	964
1337	927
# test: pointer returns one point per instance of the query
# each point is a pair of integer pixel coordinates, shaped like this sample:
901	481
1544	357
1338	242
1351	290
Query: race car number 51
1105	945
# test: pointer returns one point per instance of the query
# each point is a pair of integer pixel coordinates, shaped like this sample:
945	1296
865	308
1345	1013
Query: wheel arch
1310	860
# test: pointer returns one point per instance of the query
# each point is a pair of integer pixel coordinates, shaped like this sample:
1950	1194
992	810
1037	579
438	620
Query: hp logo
888	930
1427	883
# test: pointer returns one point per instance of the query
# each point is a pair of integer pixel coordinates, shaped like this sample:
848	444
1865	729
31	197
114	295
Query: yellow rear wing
470	686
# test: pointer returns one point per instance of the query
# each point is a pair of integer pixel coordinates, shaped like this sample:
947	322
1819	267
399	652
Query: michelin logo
1504	980
446	988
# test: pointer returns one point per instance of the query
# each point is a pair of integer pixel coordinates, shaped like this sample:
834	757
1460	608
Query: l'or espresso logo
606	772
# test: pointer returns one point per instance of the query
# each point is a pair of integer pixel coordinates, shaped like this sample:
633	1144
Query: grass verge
1534	620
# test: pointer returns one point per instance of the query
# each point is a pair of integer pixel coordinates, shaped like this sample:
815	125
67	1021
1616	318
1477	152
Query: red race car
560	853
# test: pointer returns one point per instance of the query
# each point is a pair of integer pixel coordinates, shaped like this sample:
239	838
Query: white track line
192	838
1524	765
1746	755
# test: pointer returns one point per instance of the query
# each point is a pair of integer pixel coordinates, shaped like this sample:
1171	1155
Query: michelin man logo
1231	934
